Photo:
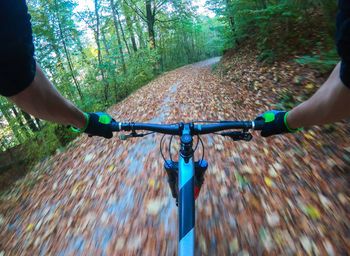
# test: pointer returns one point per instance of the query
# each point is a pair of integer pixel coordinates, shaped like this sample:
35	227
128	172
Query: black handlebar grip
259	124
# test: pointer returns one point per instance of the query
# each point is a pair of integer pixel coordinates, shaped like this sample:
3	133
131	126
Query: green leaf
242	182
312	211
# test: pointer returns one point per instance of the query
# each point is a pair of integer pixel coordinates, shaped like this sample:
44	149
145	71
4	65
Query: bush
47	141
141	67
324	62
281	29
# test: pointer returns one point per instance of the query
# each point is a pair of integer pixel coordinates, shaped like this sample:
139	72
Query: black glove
98	124
275	123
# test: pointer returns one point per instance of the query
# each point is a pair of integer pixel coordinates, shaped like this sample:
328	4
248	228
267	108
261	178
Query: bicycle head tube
186	150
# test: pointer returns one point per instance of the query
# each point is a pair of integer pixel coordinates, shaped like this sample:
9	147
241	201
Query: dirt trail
283	195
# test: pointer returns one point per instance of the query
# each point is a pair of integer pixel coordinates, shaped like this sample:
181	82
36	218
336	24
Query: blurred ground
287	195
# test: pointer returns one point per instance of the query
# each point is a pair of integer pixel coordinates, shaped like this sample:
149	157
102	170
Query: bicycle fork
185	181
183	177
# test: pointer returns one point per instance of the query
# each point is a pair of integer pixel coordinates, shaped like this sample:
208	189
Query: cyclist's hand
98	124
275	123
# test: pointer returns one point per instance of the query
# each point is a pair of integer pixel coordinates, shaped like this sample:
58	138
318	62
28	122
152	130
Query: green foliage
277	28
267	56
286	101
324	62
191	40
140	69
46	142
6	140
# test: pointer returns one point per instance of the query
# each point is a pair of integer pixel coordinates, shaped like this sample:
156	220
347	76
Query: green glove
98	124
275	123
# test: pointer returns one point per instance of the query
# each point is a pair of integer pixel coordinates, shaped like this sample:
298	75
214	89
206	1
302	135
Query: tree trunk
70	64
193	44
131	32
38	123
140	34
99	53
129	25
104	41
122	30
115	21
67	92
161	45
150	24
186	48
81	51
9	119
105	44
30	122
20	121
229	15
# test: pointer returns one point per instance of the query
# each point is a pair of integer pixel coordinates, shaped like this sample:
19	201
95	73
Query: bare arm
329	104
42	100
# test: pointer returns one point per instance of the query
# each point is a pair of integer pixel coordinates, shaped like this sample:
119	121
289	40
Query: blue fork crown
172	169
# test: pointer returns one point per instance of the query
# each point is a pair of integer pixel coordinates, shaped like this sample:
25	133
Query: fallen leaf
151	182
268	182
329	247
242	182
234	245
154	206
312	211
272	172
273	219
309	86
30	227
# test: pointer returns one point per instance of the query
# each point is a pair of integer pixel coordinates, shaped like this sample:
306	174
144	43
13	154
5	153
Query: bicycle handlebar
196	129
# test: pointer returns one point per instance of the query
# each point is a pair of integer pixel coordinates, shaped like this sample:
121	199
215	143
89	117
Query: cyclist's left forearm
329	104
42	100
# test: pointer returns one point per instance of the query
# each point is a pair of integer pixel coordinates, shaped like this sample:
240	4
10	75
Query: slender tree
122	31
63	40
115	22
149	16
127	14
99	52
11	122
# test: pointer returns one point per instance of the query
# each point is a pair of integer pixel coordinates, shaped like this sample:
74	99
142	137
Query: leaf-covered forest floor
287	195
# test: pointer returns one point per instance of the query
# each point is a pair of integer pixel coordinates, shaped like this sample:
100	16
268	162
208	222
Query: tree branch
160	4
136	10
81	16
171	20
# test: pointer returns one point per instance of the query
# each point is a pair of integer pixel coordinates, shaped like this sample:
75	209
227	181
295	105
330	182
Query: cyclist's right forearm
329	104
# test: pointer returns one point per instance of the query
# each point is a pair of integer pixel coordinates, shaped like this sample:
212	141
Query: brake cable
160	147
169	148
200	139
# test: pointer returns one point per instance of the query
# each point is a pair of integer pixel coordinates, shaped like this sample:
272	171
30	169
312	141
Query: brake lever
124	136
131	135
237	136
